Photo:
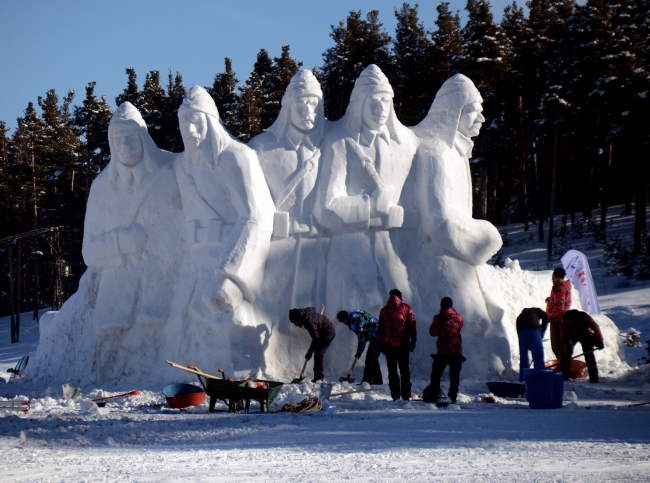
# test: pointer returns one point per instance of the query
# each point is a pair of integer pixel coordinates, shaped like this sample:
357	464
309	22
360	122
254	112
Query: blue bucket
539	389
558	390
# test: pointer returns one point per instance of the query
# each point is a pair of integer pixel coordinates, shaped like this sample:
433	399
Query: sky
64	45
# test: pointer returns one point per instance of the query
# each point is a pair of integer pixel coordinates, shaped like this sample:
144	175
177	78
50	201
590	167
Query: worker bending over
366	328
322	333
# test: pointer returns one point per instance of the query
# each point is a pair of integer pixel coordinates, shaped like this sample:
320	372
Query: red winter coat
446	326
396	323
559	301
578	327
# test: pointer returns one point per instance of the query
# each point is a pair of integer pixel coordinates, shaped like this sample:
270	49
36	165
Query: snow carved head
456	108
302	107
371	103
129	139
199	122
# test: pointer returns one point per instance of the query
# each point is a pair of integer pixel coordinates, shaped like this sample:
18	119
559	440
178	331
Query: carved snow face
128	145
194	128
376	108
471	120
303	112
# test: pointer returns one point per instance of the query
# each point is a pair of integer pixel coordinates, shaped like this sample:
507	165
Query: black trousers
587	343
398	356
441	361
556	340
372	372
320	348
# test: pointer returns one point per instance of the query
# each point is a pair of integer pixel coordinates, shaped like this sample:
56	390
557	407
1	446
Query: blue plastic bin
539	388
558	389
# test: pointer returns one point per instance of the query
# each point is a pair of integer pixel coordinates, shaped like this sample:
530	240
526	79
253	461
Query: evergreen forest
566	91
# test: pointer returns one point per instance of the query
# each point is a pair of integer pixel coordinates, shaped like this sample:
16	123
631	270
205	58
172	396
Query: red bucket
180	395
577	369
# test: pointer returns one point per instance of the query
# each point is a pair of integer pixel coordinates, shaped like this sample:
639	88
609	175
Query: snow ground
366	438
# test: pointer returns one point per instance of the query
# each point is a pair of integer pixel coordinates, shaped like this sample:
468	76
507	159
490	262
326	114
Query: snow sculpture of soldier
366	160
133	238
228	221
453	246
289	156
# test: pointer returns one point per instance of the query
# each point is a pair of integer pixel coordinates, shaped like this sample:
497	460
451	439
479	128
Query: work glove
412	346
309	354
600	345
357	356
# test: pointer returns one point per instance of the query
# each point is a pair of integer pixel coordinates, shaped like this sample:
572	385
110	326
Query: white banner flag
578	273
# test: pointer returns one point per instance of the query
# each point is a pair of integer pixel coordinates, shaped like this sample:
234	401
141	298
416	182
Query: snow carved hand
131	239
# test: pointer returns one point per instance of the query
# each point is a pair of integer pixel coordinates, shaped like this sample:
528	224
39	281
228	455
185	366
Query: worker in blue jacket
365	327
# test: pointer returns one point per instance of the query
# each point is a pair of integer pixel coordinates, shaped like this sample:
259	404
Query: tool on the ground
298	380
349	377
638	404
325	391
103	399
306	405
574	357
22	406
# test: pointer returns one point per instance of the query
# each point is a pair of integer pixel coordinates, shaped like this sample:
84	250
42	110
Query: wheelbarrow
217	388
264	392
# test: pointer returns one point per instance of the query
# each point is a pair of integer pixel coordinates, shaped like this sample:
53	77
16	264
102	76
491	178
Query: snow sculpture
452	243
228	222
289	156
366	160
198	257
133	240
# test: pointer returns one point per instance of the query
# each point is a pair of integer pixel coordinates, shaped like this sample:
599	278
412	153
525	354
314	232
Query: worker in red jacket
581	327
558	303
446	326
397	336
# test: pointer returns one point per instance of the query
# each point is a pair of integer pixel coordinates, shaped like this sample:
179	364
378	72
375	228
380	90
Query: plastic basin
577	369
539	388
181	395
506	389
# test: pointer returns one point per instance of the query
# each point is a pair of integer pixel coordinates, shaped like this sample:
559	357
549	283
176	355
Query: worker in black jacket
322	333
530	334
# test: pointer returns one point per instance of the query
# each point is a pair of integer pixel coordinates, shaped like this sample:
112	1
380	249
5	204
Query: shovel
349	377
574	357
298	380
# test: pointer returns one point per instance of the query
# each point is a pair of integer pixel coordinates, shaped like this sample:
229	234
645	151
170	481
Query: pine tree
485	61
446	50
284	68
224	93
357	44
514	28
153	107
263	73
171	133
250	109
411	73
131	93
92	119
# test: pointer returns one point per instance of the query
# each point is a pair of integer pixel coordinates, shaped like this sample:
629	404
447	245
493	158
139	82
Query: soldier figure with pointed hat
131	244
289	155
228	221
366	160
453	246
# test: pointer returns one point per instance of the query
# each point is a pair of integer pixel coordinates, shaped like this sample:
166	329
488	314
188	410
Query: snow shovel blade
299	379
346	379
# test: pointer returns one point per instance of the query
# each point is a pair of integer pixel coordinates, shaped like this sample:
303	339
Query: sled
19	406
